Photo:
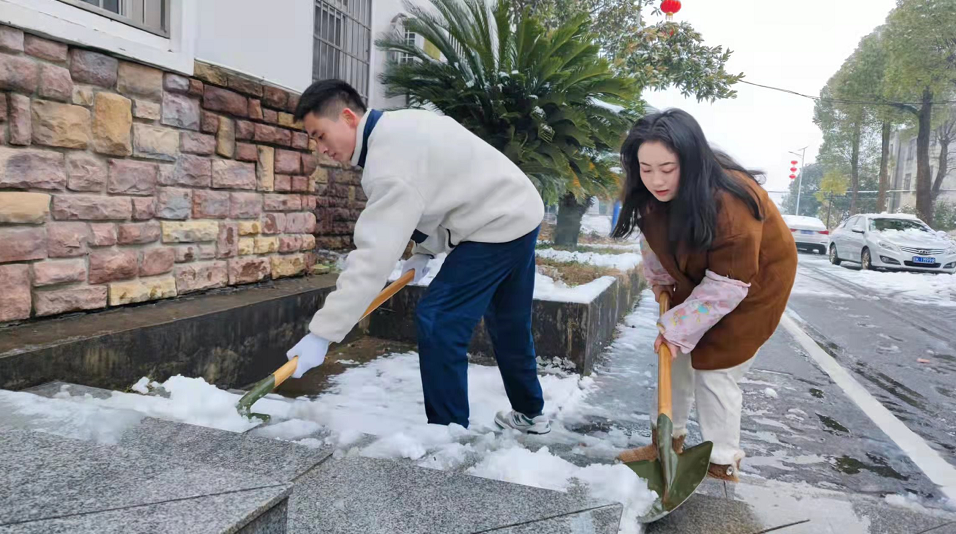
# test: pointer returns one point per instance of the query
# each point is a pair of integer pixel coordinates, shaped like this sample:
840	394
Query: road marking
937	469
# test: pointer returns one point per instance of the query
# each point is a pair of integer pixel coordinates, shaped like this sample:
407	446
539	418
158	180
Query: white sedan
892	242
809	232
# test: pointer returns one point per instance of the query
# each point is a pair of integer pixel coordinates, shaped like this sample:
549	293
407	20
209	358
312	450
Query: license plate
807	232
917	259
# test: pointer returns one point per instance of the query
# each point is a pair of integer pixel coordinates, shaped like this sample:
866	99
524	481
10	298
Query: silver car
808	232
895	242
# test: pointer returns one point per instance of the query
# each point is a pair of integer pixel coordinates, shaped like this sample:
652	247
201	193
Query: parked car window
881	225
858	223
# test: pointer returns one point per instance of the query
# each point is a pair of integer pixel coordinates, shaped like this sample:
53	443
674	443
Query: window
342	42
409	41
901	225
912	151
907	181
149	15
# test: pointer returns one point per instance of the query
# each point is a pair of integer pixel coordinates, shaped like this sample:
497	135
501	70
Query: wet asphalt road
800	427
902	351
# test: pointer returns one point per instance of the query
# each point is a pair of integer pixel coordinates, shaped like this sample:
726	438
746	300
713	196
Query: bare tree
945	135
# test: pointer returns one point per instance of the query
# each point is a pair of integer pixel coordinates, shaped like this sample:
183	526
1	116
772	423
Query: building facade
903	169
148	150
287	43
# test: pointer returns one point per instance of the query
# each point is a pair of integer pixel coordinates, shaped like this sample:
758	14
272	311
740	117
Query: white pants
719	404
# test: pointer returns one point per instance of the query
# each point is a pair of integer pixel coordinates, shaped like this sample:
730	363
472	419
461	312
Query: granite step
57	484
364	495
352	494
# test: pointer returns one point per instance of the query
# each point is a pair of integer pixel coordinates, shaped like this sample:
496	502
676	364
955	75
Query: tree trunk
570	212
924	190
943	165
884	168
855	167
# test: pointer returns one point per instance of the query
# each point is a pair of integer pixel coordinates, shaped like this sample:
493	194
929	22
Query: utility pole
802	153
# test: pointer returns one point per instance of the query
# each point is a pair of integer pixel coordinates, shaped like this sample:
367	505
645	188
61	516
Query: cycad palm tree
540	97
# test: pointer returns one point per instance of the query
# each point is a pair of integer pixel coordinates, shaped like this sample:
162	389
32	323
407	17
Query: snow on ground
938	289
623	262
810	286
190	400
918	505
545	287
596	224
383	398
78	420
627	244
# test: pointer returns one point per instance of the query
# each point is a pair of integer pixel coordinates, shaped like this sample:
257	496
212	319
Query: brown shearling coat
761	253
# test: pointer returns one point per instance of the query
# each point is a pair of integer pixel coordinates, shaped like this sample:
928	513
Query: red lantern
669	7
794	162
793	169
793	176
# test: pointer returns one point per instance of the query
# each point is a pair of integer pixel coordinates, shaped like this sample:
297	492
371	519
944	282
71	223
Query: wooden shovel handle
284	372
389	292
664	404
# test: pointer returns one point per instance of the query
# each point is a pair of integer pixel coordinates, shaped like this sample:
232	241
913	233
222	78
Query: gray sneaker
522	423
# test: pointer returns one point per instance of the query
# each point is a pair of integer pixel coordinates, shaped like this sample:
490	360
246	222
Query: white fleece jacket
424	172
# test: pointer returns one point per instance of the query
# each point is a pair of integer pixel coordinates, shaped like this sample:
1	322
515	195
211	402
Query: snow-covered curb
545	287
623	262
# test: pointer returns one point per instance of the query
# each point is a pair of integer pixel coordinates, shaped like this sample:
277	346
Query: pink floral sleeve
708	303
654	272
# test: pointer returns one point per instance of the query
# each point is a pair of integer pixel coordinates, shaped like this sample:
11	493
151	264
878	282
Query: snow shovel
674	477
269	383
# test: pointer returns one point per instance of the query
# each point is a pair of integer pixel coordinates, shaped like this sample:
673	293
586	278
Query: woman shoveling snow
715	242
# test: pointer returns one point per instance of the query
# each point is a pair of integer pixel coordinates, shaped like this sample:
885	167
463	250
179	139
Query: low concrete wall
238	336
231	339
572	331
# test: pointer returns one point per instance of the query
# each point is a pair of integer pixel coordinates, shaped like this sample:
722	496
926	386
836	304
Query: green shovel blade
261	389
673	477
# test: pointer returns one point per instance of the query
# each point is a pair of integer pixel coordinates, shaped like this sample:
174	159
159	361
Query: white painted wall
271	39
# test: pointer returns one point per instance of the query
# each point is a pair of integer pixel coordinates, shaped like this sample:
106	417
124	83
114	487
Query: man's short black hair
327	98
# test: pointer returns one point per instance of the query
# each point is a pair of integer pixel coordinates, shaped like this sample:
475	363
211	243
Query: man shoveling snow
429	179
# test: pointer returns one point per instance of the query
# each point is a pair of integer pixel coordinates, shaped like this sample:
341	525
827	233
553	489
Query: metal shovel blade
674	477
259	390
269	383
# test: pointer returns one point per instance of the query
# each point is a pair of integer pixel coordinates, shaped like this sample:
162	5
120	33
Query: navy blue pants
490	280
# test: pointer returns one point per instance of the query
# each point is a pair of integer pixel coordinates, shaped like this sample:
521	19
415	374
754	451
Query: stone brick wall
120	183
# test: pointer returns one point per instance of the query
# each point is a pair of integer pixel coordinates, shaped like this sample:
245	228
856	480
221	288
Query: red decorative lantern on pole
669	7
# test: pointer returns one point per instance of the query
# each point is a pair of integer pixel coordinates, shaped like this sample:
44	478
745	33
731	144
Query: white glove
311	351
419	262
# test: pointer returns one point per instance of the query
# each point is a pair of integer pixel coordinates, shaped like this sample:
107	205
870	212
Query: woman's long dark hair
703	171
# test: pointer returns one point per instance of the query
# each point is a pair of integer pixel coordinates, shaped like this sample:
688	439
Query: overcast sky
795	45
